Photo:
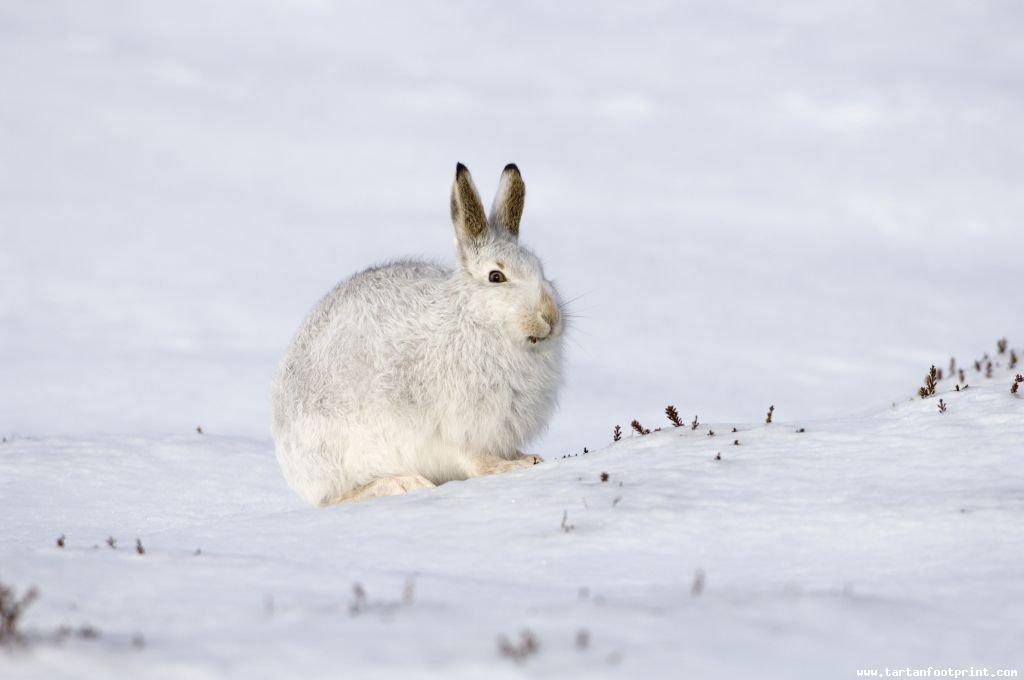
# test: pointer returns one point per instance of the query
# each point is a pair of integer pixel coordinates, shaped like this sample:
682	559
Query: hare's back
388	290
377	298
355	330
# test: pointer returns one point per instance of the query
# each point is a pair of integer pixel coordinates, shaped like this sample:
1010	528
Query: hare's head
507	280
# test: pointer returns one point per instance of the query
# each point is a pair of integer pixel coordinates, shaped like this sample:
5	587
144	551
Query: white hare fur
410	374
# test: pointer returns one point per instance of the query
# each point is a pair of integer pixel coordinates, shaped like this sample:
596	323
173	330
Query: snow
802	204
889	539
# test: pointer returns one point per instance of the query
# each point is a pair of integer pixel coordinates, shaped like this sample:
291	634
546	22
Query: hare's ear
467	210
508	202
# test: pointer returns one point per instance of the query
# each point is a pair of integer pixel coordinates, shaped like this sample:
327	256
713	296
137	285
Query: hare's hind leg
385	486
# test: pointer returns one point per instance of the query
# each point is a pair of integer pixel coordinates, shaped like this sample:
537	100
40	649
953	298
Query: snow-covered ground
802	203
885	540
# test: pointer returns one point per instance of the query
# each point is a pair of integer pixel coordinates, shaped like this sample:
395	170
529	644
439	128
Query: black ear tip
460	169
511	167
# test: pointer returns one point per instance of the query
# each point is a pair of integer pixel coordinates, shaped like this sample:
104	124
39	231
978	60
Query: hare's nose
542	329
546	318
548	310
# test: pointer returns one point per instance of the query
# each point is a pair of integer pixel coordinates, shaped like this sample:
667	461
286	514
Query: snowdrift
791	549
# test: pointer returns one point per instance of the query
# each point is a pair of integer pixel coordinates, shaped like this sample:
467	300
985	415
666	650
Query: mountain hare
410	374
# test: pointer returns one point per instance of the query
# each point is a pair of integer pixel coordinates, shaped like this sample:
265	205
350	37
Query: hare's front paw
493	465
524	457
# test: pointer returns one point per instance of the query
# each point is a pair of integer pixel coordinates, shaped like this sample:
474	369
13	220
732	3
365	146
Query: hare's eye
496	277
